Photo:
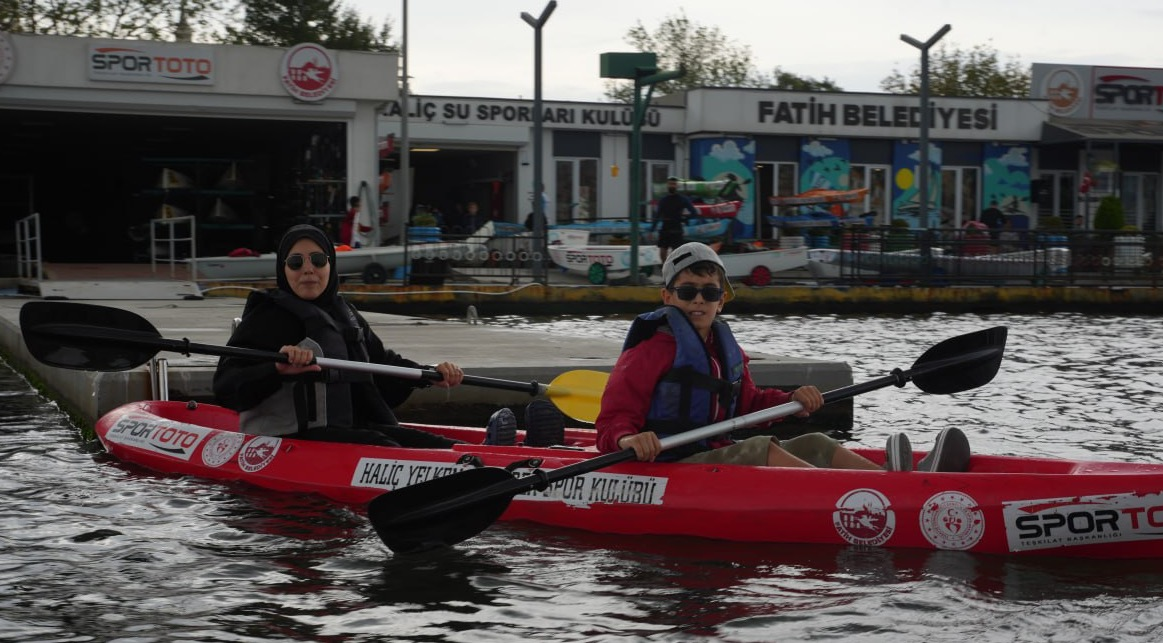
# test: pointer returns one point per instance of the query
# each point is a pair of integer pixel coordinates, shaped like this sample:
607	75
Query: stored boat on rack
820	197
372	264
599	263
755	267
818	208
695	229
1002	505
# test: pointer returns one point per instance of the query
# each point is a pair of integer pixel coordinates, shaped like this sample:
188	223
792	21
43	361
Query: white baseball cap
685	256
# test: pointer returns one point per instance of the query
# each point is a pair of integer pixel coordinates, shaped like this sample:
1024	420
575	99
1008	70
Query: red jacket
626	399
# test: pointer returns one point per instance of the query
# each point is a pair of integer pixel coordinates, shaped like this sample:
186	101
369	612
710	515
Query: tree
786	80
282	23
133	19
708	58
959	72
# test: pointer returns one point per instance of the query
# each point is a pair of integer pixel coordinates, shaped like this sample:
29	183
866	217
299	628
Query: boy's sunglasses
687	293
318	259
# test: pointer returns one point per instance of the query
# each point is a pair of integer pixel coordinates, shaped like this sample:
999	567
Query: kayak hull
1003	505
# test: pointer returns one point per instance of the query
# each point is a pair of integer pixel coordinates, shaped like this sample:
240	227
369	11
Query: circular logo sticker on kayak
220	448
952	520
864	517
258	453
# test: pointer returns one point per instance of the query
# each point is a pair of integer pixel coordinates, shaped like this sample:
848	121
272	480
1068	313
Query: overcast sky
484	48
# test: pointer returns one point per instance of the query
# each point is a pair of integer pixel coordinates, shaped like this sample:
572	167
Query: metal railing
170	233
897	256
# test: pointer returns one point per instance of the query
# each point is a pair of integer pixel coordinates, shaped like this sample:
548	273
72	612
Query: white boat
371	264
600	263
827	263
695	229
755	268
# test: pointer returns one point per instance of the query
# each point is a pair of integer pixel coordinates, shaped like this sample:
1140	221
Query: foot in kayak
502	428
544	424
950	453
898	453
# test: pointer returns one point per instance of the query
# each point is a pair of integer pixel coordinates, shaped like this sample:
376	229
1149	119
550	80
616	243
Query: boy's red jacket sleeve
626	399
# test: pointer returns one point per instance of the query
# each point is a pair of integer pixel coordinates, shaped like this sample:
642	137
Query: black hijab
327	298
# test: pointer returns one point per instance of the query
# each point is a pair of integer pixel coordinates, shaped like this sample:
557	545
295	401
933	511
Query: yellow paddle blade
578	394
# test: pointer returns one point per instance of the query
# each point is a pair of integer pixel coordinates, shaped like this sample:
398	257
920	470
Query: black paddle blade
413	519
85	337
961	363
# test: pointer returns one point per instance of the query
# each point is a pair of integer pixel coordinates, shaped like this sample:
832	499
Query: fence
857	256
893	256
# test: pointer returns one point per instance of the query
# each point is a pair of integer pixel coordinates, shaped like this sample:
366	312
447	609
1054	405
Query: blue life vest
685	397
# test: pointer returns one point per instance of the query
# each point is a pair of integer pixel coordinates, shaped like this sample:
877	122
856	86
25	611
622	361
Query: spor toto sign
309	72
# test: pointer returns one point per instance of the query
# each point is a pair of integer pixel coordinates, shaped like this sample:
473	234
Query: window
576	196
875	178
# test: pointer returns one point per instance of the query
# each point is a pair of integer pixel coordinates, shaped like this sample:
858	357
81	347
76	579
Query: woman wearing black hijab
303	317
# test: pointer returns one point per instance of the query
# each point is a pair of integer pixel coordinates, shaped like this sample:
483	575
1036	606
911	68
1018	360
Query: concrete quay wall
481	349
535	299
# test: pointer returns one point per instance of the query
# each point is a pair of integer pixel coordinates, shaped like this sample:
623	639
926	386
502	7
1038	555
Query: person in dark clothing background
669	213
303	317
994	219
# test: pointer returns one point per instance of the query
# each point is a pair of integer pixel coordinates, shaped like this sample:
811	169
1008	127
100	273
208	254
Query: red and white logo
1064	89
952	520
221	448
864	517
258	453
309	72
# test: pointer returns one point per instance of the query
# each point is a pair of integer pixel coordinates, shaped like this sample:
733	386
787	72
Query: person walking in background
472	218
994	219
669	214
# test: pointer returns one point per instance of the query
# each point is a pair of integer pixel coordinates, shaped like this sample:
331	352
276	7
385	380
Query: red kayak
723	210
1003	505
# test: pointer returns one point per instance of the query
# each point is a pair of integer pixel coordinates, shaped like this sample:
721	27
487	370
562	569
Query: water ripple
91	549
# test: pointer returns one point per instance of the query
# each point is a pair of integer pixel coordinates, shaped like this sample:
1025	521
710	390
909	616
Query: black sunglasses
318	259
687	293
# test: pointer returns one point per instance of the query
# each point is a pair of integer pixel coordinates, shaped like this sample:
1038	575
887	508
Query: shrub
1109	215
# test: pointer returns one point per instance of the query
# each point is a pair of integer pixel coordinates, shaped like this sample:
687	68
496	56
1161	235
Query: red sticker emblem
864	517
309	72
952	520
258	453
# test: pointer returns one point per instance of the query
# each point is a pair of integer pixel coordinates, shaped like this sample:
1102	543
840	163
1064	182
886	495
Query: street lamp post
923	186
540	234
405	170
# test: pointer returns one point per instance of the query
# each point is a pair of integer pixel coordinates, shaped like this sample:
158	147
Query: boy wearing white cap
681	369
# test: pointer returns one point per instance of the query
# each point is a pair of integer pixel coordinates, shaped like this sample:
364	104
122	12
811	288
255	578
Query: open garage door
97	179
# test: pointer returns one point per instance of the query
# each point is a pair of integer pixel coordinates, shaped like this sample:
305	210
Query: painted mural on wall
825	164
906	185
1006	182
714	159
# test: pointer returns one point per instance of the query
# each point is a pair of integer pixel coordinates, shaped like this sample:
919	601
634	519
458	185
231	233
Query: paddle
100	338
456	507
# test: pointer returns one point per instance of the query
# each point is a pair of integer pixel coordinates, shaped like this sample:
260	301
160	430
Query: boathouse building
100	137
